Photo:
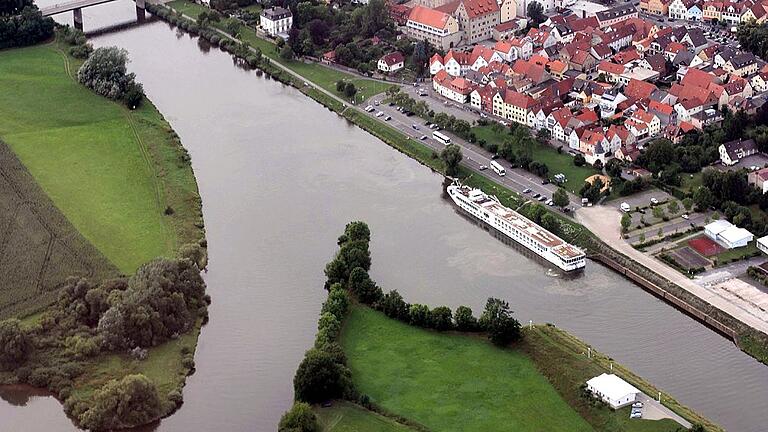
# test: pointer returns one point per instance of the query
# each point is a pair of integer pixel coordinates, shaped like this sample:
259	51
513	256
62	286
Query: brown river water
280	176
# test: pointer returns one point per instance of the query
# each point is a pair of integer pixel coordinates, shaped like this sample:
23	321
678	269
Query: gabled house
733	151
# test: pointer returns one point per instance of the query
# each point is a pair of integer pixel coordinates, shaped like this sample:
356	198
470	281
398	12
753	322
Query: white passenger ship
517	227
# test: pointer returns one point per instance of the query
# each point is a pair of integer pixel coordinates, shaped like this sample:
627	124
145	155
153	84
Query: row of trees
323	373
22	24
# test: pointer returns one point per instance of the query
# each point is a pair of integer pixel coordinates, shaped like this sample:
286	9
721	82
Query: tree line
323	374
22	24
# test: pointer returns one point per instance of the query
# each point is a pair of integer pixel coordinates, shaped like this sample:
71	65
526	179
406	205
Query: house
277	21
759	179
656	7
611	72
613	390
678	9
457	89
759	82
728	235
731	152
762	244
481	98
741	64
436	27
712	10
615	15
398	13
391	62
476	18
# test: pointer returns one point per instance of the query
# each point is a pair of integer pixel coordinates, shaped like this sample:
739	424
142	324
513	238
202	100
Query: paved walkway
604	222
653	410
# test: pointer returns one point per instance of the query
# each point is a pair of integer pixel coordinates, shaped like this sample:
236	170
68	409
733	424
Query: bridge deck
70	6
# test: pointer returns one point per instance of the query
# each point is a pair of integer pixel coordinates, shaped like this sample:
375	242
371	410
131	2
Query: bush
497	320
393	305
320	377
465	321
131	401
105	72
81	51
15	344
441	318
299	418
419	315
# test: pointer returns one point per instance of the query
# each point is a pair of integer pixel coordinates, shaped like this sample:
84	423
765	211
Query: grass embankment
557	162
111	171
562	358
347	417
319	74
458	382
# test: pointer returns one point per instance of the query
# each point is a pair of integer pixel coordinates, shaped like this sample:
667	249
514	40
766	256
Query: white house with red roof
391	62
454	88
436	27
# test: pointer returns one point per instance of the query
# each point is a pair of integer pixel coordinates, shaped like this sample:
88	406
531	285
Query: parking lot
756	160
643	199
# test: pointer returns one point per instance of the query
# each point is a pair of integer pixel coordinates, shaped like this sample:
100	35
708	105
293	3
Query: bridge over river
76	7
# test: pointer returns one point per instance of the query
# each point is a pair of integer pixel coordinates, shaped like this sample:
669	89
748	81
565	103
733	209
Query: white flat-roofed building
762	244
613	390
728	235
277	21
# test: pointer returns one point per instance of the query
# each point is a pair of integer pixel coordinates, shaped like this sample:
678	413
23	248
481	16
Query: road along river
280	176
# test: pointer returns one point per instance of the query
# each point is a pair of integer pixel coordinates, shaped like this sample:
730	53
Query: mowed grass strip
97	160
451	382
347	417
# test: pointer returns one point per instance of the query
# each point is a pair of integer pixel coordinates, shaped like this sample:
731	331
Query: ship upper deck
522	224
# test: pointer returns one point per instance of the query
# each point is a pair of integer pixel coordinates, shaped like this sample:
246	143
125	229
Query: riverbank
431	369
127	195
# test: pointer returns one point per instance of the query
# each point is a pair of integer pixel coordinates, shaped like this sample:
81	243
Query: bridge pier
78	16
140	10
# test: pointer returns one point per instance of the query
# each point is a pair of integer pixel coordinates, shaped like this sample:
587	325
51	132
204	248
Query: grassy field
321	75
738	253
39	247
557	162
451	382
347	417
112	172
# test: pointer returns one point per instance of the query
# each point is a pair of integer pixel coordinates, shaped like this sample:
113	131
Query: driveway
604	223
653	410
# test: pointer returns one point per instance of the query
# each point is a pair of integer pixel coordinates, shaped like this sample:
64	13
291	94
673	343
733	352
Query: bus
498	168
441	137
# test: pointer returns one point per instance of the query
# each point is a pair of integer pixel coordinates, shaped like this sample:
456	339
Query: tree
105	72
673	207
703	198
536	13
440	318
465	321
350	90
549	222
560	198
419	315
626	221
363	287
658	212
393	305
286	53
300	418
658	155
688	204
543	135
131	401
22	24
451	157
613	168
641	239
15	344
340	86
320	377
579	160
497	320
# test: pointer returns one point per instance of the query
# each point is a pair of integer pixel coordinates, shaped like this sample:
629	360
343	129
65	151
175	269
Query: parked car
625	207
636	415
637	405
494	157
423	137
541	198
526	190
654	201
387	118
685	216
545	181
370	109
536	195
483	167
550	203
415	126
380	114
376	103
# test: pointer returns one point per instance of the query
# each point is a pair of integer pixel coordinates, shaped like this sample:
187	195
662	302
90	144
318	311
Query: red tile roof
429	17
476	8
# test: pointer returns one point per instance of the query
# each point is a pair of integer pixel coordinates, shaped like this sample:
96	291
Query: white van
625	207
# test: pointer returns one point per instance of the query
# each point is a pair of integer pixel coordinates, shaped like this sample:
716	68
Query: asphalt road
516	179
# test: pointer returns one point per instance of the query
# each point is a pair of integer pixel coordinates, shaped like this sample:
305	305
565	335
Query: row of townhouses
730	12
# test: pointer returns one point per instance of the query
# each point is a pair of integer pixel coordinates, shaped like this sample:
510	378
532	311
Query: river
280	176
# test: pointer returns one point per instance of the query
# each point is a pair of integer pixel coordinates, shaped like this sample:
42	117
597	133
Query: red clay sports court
705	246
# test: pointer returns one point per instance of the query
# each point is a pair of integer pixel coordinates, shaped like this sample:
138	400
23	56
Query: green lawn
557	162
347	417
451	382
99	162
737	253
319	74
